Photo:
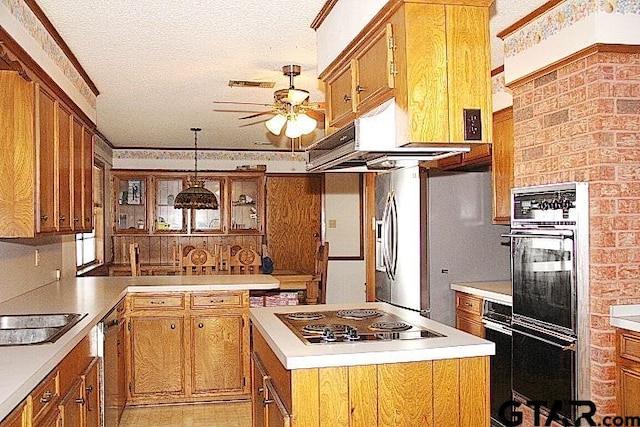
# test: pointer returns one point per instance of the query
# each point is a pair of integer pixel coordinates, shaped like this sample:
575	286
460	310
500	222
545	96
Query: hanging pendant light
196	196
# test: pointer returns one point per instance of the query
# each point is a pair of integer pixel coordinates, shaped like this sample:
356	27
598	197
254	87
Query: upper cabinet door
47	176
340	101
210	220
167	218
65	170
374	68
87	181
78	217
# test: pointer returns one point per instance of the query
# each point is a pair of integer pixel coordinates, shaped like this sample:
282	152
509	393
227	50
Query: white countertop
625	316
497	291
23	367
294	354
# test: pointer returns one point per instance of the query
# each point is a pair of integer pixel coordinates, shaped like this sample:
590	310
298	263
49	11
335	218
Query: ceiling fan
291	108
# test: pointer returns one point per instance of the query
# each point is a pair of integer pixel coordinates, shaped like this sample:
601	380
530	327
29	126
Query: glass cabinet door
245	206
167	217
210	220
131	208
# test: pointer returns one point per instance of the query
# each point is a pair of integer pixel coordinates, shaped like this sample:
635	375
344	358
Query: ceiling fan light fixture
196	196
293	129
307	124
296	96
276	123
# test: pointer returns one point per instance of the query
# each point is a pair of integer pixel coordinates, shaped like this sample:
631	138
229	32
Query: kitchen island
22	368
437	380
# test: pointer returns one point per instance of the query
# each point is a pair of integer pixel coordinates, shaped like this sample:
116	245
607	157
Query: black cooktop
352	325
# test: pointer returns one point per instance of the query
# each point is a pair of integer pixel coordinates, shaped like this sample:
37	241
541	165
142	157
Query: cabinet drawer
46	395
630	346
469	303
217	300
469	324
157	301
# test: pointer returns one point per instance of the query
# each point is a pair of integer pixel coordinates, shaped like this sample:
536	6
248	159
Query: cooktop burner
358	314
305	315
389	326
345	326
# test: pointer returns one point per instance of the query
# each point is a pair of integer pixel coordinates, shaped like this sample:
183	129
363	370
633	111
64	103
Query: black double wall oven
549	255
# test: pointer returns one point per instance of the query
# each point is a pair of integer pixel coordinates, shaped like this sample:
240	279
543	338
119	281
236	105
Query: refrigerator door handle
393	239
385	238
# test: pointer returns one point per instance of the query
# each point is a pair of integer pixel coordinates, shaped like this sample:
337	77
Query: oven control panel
552	207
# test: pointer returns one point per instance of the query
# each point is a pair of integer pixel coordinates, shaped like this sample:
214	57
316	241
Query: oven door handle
569	347
539	235
503	329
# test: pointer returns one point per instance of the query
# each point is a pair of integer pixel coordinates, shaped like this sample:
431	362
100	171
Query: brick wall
581	122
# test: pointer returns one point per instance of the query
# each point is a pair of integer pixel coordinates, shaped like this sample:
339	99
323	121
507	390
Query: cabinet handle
76	219
157	302
266	402
468	304
62	218
173	326
44	217
360	89
213	301
200	325
46	397
87	219
80	401
260	390
346	98
89	388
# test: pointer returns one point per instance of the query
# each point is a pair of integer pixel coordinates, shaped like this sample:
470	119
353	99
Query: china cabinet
130	203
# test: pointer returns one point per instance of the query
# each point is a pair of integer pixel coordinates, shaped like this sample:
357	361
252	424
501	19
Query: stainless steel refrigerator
434	229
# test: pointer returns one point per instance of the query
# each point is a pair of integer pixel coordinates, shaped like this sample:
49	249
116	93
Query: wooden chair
134	259
200	262
243	260
320	270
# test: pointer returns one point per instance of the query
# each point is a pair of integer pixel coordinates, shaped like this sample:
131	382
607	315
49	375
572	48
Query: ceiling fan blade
233	111
243	103
256	115
315	114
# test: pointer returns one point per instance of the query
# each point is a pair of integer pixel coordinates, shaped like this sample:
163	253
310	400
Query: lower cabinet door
158	356
218	353
258	394
53	419
91	383
629	391
72	406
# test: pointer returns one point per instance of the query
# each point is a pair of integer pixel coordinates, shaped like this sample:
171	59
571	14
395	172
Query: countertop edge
625	317
475	289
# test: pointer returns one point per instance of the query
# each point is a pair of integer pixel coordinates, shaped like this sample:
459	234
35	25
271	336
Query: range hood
373	142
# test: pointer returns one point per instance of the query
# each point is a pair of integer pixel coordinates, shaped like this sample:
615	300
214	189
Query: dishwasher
113	374
497	326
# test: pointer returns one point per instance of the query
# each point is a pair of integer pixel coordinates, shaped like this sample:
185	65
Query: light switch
332	223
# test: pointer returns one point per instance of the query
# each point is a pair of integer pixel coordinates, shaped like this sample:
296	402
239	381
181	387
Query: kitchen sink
28	329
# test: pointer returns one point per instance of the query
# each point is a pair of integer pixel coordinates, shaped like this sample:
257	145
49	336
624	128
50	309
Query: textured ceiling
160	65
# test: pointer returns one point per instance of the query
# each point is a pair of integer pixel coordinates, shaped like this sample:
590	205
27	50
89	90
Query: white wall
17	264
341	206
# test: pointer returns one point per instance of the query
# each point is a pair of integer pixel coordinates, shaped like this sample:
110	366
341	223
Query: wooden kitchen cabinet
415	393
477	158
130	201
211	220
427	72
502	165
469	314
627	372
166	217
40	192
188	347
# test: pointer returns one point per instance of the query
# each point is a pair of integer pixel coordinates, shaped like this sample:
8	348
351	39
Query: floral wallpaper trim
498	85
209	155
563	16
27	19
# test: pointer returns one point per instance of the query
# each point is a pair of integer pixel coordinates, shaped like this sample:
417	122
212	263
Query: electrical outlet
333	223
472	124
